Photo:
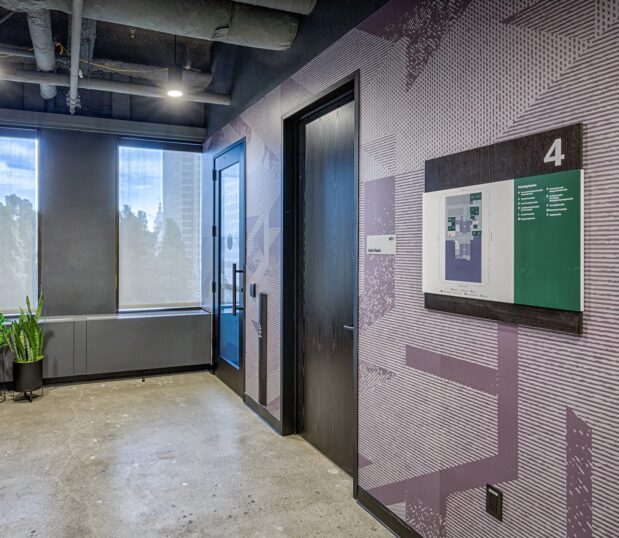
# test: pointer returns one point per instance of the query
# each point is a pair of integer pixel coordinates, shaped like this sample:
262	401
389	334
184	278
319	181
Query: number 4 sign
554	154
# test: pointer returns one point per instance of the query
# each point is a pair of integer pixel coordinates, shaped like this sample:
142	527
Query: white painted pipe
302	7
73	99
157	73
215	20
129	88
40	26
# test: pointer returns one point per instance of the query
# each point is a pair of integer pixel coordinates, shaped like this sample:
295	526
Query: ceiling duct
302	7
215	20
156	73
130	88
40	26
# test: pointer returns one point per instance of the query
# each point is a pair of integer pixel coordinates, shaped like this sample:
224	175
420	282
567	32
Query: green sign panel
548	242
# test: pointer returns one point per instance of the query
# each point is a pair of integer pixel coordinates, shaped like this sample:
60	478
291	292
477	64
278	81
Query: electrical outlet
494	502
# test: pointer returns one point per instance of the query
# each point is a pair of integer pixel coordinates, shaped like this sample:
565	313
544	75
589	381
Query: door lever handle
348	327
235	272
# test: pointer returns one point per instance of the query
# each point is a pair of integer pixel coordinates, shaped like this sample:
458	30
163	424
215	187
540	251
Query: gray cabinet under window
117	343
121	343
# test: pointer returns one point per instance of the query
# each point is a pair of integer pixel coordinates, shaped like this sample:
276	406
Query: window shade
18	218
160	227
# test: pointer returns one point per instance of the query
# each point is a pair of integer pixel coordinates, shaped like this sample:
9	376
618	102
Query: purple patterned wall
449	403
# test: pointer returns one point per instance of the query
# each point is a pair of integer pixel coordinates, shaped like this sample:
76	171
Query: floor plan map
463	237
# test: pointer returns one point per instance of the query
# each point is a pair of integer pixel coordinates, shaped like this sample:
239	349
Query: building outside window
18	219
160	212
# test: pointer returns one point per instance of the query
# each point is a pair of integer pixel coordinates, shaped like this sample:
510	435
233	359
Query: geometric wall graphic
426	495
447	404
579	488
576	19
378	295
421	25
372	377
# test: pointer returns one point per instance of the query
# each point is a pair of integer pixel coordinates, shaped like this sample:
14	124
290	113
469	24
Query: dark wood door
327	280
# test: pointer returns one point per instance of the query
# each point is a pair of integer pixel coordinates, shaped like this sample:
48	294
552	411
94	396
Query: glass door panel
231	276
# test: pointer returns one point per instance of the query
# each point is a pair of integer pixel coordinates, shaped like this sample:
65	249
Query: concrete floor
172	456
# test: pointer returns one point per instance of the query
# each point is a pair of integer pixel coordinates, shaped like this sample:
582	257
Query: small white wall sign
381	244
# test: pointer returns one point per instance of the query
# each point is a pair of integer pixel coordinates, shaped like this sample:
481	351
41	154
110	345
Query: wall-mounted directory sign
503	231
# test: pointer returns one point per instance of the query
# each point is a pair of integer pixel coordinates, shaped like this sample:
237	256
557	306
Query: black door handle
348	327
235	271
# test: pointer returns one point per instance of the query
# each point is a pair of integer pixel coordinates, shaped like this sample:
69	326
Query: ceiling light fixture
175	78
175	81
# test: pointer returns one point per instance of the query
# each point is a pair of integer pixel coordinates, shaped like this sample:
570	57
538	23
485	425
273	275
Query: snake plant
24	336
2	341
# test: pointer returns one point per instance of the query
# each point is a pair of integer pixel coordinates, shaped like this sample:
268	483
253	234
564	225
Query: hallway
171	456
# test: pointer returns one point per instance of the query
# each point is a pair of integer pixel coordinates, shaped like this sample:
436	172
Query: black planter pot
27	376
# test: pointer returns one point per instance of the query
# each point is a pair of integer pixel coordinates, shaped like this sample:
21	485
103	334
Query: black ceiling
246	73
251	73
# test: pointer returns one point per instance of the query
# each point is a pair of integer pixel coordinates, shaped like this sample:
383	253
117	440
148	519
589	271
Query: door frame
289	369
221	368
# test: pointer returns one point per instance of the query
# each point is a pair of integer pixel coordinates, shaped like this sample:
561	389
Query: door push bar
235	271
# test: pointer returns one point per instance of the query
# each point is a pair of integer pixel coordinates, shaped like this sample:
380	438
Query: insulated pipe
40	26
130	88
157	73
302	7
215	20
73	99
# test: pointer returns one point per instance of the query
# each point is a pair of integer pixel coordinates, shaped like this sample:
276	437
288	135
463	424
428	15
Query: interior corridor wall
438	78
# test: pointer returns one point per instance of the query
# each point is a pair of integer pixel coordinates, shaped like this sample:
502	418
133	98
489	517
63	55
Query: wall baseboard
385	516
262	412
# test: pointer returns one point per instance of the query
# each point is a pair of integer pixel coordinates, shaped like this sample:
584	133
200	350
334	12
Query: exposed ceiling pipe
40	26
73	98
130	88
302	7
20	52
215	20
156	73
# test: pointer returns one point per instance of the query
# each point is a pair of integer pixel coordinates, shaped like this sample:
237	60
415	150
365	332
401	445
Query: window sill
122	315
166	313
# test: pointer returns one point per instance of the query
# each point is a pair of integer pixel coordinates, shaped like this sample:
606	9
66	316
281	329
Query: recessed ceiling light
175	93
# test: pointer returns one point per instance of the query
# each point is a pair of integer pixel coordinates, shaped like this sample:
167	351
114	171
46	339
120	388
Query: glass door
229	231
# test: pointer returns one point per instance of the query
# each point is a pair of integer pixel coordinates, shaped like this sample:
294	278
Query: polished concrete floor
171	456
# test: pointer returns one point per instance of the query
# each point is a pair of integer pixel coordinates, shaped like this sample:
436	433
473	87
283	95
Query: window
18	219
160	225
